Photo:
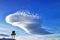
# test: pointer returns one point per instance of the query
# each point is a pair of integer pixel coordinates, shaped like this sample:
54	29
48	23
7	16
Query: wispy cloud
3	28
3	34
2	31
29	22
39	37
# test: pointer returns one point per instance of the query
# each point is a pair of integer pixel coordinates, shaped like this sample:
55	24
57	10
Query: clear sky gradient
49	10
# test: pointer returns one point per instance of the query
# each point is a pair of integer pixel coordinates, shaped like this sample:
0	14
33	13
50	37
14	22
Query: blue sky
48	10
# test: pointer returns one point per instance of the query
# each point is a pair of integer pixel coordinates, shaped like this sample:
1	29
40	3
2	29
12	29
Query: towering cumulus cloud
27	21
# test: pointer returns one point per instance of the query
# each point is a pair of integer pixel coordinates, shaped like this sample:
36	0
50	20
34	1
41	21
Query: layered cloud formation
3	34
27	21
39	37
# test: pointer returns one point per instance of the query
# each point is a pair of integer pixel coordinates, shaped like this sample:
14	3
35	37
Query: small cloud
29	22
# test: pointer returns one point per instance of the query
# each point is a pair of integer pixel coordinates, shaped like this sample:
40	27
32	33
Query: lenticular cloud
27	21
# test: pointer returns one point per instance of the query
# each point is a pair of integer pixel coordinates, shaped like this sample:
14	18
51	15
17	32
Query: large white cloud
27	21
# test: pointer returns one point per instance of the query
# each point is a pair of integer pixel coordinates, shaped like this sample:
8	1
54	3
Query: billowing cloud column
27	21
